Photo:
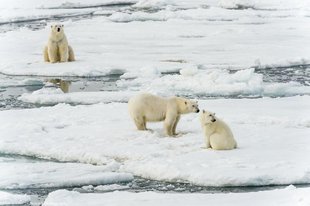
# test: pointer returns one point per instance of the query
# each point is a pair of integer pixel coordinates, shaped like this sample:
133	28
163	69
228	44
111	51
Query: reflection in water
62	84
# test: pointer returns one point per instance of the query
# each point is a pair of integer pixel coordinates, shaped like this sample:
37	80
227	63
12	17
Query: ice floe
19	174
269	132
13	199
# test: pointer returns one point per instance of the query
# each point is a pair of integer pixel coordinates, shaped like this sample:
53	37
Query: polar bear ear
203	111
213	114
62	25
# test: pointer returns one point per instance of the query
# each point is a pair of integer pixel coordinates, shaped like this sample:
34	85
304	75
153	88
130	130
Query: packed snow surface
272	134
284	197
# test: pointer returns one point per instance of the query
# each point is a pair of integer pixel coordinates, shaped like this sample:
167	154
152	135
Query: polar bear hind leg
140	123
218	142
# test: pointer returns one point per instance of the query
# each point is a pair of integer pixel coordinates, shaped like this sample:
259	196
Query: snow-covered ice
272	134
284	197
13	199
20	174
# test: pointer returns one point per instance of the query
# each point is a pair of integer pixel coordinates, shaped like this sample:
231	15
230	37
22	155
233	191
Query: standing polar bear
150	108
58	49
217	133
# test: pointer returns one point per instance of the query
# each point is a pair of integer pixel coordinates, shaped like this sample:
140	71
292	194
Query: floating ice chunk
17	175
145	72
13	199
48	96
111	187
154	4
48	91
281	197
190	71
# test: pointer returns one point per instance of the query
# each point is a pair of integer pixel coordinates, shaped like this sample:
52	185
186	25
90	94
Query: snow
13	199
18	174
288	196
272	134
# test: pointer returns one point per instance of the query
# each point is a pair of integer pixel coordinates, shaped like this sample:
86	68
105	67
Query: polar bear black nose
58	29
197	111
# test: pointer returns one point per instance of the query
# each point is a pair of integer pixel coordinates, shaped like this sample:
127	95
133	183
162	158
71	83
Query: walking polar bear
217	133
150	108
57	48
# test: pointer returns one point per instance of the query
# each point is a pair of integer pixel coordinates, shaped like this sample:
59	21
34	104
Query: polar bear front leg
64	53
207	141
175	125
169	123
53	52
45	54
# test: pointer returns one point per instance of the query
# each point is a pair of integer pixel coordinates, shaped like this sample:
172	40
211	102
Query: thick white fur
150	108
57	48
217	133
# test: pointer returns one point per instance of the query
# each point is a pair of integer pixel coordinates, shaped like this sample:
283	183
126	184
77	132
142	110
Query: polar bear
217	133
57	48
150	108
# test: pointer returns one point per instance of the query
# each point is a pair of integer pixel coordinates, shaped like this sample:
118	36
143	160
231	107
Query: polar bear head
57	30
207	117
188	106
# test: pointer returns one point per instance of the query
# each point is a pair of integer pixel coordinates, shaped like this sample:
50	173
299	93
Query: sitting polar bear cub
217	133
58	49
150	108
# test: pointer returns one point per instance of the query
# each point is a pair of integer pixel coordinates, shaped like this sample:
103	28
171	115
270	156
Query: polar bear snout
197	111
58	29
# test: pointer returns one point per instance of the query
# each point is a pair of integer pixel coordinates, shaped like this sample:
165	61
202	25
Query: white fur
217	133
58	49
150	108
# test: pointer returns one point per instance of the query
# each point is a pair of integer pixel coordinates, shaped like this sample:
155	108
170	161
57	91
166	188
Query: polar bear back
152	108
